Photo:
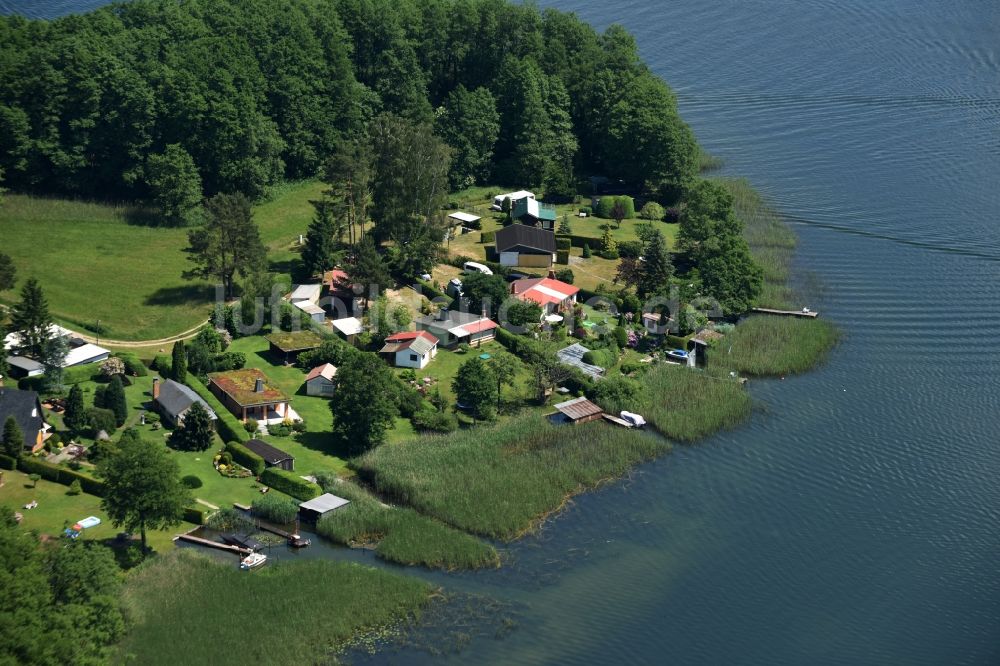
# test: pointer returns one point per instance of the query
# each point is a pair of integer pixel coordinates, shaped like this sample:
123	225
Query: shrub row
6	462
603	358
277	509
290	483
430	291
562	257
57	474
229	427
487	237
564	242
606	203
246	457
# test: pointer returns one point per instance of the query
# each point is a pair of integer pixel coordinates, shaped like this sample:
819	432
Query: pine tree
31	320
13	438
195	431
114	398
320	251
178	369
75	417
586	251
564	228
369	269
656	269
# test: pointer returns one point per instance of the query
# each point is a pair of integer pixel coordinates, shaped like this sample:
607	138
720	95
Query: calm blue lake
856	519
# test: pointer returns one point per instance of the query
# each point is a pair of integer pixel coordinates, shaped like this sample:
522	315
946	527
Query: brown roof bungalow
249	394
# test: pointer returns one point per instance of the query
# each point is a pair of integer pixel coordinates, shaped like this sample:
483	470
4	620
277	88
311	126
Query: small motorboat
253	561
635	419
678	355
296	541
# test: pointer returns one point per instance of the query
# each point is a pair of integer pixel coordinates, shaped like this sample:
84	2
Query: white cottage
411	349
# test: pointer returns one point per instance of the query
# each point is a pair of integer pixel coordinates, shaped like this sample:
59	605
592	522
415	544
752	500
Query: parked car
475	267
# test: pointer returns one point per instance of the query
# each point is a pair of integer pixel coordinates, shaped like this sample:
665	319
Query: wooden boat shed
578	410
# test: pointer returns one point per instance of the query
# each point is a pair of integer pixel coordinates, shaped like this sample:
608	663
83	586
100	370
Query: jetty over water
809	314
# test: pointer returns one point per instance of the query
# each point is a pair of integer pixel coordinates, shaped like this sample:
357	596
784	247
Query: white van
475	267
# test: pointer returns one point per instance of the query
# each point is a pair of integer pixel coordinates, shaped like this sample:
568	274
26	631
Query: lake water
856	519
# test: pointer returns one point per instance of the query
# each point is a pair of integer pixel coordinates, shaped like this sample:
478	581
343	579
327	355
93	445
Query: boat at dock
253	561
296	541
677	355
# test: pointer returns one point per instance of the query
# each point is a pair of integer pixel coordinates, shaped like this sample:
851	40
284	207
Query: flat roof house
452	327
273	456
287	345
553	295
325	503
347	327
249	394
319	381
173	400
530	247
513	196
410	349
26	409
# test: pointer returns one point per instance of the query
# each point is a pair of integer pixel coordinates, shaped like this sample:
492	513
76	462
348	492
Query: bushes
586	251
290	483
564	242
57	474
100	419
630	249
246	457
652	211
133	366
587	210
428	419
621	337
75	488
607	203
603	358
195	514
275	508
7	462
163	364
487	237
191	481
565	275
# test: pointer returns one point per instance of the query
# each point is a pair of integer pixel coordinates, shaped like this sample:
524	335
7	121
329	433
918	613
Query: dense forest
237	95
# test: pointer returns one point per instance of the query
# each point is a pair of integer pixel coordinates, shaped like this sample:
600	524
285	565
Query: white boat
678	355
253	561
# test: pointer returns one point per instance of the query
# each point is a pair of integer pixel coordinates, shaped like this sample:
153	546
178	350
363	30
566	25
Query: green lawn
57	510
106	262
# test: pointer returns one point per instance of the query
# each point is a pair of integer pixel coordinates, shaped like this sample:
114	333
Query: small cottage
523	245
319	381
26	409
452	328
410	349
172	401
553	295
287	345
533	213
273	457
347	328
315	508
654	322
249	394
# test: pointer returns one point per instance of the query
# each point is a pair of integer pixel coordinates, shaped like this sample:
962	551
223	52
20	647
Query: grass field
401	535
770	346
502	481
105	262
57	510
183	607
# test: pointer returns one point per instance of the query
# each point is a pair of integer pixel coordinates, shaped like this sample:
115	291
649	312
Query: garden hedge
62	475
487	237
229	427
562	257
564	242
606	203
290	483
6	462
246	457
195	514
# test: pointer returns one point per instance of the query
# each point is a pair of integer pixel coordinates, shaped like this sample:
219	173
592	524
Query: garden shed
273	456
325	503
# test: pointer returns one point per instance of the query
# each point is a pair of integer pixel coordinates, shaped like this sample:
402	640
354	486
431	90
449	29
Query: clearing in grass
502	481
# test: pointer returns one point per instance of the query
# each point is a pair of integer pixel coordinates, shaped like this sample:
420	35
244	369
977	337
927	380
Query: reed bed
766	345
183	607
402	535
687	405
502	481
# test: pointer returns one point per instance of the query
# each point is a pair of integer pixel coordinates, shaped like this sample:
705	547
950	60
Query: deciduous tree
142	487
174	185
475	386
363	403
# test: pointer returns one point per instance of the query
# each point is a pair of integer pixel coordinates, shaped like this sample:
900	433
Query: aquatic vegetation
502	481
770	346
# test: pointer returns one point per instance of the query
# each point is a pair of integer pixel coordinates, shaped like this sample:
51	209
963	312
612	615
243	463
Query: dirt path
186	335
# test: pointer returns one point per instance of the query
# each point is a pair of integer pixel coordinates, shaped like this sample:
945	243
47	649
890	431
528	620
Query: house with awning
452	327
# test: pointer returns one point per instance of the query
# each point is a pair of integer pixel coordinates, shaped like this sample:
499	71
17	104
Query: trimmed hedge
564	242
6	462
600	357
246	457
196	515
487	237
290	483
677	342
229	427
62	475
606	203
562	257
430	291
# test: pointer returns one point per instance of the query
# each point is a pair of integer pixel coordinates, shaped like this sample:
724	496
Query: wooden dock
617	421
241	507
808	314
213	544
